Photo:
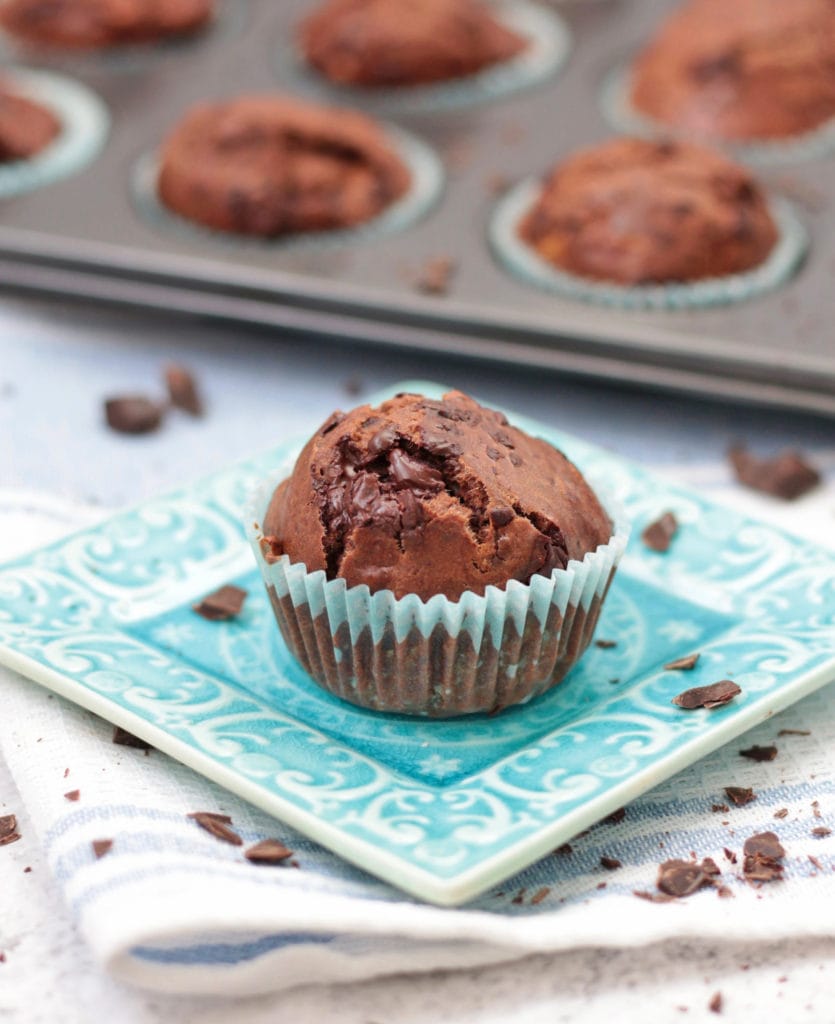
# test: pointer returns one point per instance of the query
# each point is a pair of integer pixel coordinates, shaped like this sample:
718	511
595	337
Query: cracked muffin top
431	497
634	211
749	69
26	127
404	42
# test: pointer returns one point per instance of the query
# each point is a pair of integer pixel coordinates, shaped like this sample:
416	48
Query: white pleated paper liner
624	116
522	260
229	19
84	126
437	658
549	44
427	182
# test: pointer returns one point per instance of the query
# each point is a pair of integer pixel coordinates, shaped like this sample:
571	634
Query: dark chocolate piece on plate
217	825
757	753
8	829
684	664
224	603
132	414
101	847
182	389
123	738
712	696
786	475
740	795
605	645
659	534
268	851
794	732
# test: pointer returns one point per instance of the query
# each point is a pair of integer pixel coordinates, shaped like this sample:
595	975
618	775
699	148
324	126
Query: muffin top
266	165
25	127
404	42
748	69
432	497
636	212
101	23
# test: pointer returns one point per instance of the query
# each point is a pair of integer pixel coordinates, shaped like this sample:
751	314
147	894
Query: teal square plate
441	809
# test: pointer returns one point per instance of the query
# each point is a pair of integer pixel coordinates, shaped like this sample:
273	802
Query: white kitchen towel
172	908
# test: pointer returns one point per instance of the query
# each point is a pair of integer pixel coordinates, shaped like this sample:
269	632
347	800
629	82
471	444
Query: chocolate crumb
720	808
616	817
781	813
268	851
605	645
101	847
715	1004
132	414
123	738
814	860
436	275
8	829
540	894
756	753
66	772
224	603
786	475
610	863
217	826
816	811
712	696
729	855
683	664
659	534
763	856
821	831
519	898
73	795
740	795
2	958
794	732
26	871
723	892
182	389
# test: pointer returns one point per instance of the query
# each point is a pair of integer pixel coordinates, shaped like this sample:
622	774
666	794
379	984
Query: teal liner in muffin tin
437	658
526	263
427	181
549	43
625	117
84	125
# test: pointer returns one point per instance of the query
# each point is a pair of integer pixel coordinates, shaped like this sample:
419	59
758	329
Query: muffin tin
86	235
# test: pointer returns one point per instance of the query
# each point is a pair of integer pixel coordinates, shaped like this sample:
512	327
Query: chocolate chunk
182	389
616	817
605	645
715	1004
712	696
763	854
821	831
268	851
224	603
101	847
794	732
123	738
8	829
740	796
786	475
217	825
436	275
501	515
756	753
610	863
73	795
332	421
132	414
684	877
659	534
684	664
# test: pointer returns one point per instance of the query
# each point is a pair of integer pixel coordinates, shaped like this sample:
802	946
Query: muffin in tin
742	71
26	127
270	165
634	212
101	24
428	557
390	43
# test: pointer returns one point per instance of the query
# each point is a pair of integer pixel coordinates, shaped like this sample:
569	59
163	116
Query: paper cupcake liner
549	43
436	658
427	181
625	117
84	126
525	262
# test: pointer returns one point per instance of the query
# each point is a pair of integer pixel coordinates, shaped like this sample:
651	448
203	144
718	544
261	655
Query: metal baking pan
84	235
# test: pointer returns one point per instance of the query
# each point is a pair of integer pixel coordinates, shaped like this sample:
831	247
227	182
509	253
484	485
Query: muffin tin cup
437	658
522	260
624	116
549	44
84	127
427	182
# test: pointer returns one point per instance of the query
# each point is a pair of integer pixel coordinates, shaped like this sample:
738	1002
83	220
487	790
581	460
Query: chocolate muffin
432	497
269	165
404	42
749	69
26	128
95	24
633	211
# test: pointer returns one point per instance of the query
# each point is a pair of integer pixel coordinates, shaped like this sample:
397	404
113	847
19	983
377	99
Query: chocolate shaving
436	275
659	534
610	863
268	851
182	389
712	696
756	753
763	856
540	895
8	829
605	645
217	826
73	795
132	414
781	813
715	1004
820	831
101	847
123	738
794	732
224	603
683	664
786	475
814	860
729	855
681	878
739	795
